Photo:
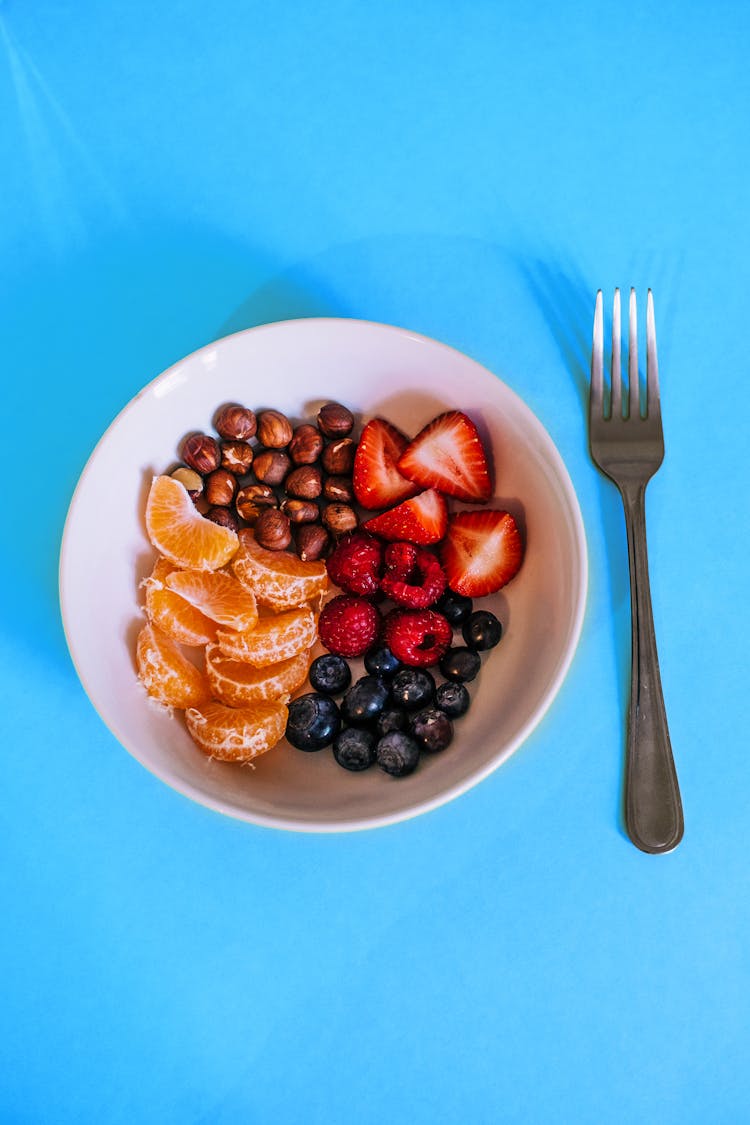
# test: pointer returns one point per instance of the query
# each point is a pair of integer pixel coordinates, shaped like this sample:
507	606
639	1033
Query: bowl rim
290	823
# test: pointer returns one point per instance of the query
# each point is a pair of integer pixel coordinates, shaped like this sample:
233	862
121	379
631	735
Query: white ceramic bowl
294	366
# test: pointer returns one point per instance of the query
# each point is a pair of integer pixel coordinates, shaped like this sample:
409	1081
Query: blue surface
174	172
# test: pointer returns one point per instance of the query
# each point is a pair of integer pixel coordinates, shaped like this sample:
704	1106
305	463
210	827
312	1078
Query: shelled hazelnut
339	489
271	466
235	422
220	488
311	541
340	518
273	530
223	516
274	429
338	456
192	481
306	444
201	452
304	483
335	420
236	457
301	511
254	499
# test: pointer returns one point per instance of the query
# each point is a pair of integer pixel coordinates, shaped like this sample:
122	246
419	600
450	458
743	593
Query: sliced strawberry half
421	520
448	455
376	480
482	552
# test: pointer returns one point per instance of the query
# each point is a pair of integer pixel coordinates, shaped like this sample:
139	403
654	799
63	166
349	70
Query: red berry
412	576
356	563
423	519
418	637
349	625
448	455
481	552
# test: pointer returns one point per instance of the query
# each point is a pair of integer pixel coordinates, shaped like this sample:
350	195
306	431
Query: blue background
173	172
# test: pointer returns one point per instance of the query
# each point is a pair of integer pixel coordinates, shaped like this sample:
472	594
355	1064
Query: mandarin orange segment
219	596
165	671
239	684
274	638
180	533
171	613
277	578
236	734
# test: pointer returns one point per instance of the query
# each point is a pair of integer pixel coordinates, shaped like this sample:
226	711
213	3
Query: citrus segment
166	673
178	530
278	579
236	734
171	613
238	684
219	596
274	638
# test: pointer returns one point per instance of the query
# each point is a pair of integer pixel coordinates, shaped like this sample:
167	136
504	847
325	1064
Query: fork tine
652	366
616	369
634	408
597	361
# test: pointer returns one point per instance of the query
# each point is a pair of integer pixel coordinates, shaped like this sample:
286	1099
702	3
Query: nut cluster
291	484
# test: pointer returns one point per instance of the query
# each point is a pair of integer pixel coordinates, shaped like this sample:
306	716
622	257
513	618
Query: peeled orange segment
274	638
219	596
277	578
166	673
236	734
238	684
171	613
178	530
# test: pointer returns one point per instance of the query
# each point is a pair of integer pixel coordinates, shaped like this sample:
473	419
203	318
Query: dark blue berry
330	674
397	753
380	661
460	664
432	729
391	719
354	748
482	630
453	698
313	721
412	688
454	606
364	700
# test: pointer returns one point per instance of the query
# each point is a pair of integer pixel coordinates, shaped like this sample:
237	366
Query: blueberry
330	674
412	688
313	721
482	630
364	700
380	661
453	698
432	729
460	664
455	607
354	748
397	753
391	719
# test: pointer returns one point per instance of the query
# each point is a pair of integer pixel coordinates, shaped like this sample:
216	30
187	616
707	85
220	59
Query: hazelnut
306	444
301	511
339	518
338	456
236	457
201	453
252	500
338	488
235	422
312	542
273	530
220	488
274	429
192	481
335	420
304	482
223	516
272	466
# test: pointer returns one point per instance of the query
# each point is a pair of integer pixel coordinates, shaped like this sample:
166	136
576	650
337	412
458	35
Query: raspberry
412	576
356	563
417	637
349	626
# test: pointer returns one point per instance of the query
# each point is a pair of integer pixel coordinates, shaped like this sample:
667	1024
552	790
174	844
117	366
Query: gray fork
629	448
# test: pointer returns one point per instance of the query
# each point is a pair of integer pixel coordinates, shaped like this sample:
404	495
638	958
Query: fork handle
653	809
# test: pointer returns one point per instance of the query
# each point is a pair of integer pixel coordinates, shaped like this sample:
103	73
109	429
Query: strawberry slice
448	455
482	552
376	480
421	520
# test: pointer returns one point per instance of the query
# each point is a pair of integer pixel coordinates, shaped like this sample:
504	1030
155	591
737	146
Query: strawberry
376	480
481	552
421	520
448	455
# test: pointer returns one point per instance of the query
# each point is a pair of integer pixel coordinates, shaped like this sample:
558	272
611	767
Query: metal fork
629	448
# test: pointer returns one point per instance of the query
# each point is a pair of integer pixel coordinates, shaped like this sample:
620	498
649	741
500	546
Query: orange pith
166	673
171	613
180	533
236	734
219	596
274	638
278	579
238	684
